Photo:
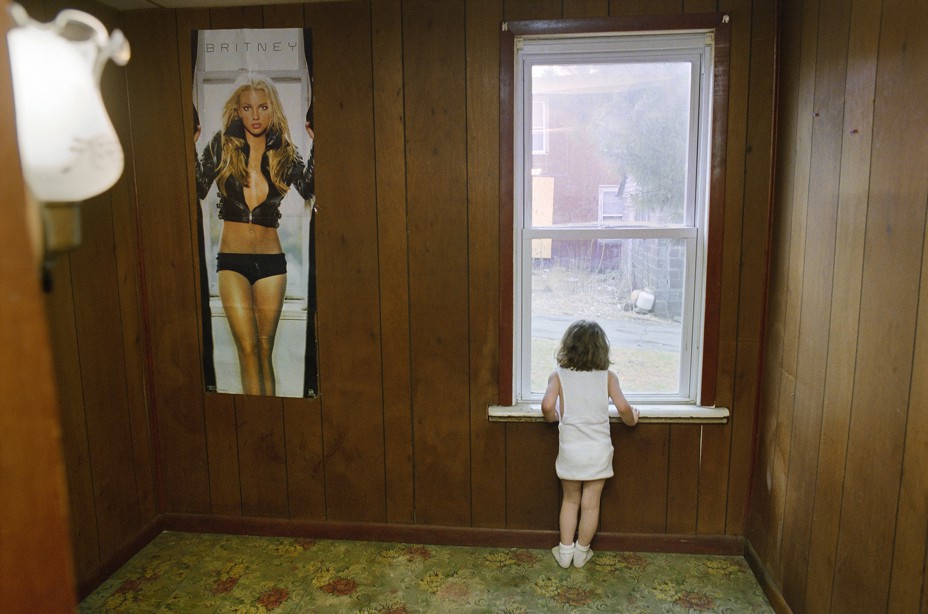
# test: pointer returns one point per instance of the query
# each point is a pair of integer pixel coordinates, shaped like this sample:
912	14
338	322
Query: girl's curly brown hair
584	347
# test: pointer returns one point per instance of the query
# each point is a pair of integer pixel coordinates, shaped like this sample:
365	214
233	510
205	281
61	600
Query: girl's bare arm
549	402
627	413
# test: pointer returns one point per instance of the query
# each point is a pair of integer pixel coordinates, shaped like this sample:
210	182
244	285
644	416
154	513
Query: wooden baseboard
770	588
117	559
442	535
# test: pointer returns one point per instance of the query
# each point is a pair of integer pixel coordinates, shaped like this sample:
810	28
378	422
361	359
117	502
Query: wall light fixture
67	144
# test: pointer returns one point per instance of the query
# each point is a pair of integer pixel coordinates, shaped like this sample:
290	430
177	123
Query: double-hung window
611	218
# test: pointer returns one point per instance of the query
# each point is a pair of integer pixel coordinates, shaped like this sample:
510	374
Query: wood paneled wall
97	342
407	155
840	492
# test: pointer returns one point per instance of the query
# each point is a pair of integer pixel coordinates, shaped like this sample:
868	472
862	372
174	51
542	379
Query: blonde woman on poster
254	164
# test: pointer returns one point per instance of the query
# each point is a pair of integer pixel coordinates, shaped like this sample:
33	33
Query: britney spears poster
255	186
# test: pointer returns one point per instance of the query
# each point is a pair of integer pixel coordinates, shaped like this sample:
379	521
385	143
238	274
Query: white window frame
692	46
603	190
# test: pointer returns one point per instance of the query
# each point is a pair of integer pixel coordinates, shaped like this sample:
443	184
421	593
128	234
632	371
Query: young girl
582	385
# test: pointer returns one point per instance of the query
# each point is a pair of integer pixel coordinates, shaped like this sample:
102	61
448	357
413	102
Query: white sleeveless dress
585	446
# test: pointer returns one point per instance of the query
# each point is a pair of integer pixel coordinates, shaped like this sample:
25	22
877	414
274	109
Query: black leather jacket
232	206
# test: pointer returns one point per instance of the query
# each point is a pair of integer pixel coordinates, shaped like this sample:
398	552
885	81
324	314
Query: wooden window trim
719	22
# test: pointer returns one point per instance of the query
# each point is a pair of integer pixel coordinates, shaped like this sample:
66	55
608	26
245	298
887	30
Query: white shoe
563	555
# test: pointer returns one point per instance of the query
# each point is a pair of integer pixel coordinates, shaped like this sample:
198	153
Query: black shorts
252	266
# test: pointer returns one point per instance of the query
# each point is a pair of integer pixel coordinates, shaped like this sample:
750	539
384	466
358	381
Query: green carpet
191	573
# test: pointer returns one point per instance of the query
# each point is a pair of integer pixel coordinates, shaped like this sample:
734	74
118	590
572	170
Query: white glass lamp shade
67	144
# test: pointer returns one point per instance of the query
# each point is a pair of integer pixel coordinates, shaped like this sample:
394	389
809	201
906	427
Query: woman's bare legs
253	312
269	301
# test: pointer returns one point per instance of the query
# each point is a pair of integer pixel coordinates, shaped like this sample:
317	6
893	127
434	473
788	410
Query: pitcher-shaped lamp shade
67	144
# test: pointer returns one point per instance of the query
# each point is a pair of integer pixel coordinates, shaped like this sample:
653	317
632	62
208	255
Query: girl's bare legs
253	313
269	301
580	498
589	511
570	507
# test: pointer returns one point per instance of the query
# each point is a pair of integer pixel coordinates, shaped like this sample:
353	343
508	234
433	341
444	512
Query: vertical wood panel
816	297
282	16
845	308
713	479
85	538
645	7
701	6
683	479
262	456
892	267
235	17
488	507
715	464
806	29
533	492
585	8
128	283
117	445
156	105
532	9
911	538
635	500
756	218
225	487
909	562
346	250
767	492
103	372
742	440
389	124
305	464
436	154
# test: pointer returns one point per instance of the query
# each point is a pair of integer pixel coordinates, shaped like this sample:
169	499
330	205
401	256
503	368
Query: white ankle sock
582	554
563	554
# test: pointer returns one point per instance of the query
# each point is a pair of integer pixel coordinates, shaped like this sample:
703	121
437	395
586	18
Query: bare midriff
245	238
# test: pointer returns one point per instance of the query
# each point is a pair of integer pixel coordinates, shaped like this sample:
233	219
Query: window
539	127
616	186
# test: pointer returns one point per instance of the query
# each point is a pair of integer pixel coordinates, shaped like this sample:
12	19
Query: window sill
649	414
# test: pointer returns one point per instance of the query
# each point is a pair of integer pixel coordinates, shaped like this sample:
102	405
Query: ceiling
129	5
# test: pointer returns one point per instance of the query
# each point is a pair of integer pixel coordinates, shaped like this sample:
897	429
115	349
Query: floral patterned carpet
191	573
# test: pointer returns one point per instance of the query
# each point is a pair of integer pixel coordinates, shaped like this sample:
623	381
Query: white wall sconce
67	144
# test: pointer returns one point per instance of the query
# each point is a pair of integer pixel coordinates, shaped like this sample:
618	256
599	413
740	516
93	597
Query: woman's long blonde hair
233	163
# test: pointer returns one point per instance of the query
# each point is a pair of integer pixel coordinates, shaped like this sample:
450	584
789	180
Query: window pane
634	288
624	125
